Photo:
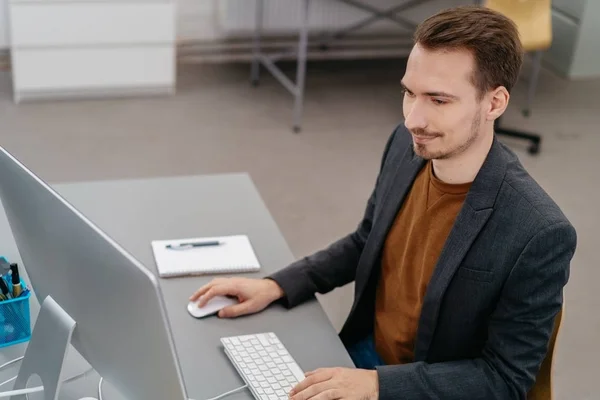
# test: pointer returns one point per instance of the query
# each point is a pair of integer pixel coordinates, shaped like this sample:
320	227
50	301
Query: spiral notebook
233	254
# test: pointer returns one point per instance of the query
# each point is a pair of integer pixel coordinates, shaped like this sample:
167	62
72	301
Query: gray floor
316	183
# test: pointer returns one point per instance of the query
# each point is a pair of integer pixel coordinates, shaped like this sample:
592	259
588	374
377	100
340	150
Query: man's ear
498	101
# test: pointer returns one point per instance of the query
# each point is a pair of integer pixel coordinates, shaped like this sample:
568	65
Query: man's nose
415	117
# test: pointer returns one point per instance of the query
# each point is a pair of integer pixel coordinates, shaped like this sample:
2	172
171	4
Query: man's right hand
253	295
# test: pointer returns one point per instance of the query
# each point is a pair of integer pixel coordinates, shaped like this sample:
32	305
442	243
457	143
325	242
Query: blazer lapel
408	166
472	218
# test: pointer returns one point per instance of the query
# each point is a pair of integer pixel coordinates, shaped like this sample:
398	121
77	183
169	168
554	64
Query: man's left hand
338	383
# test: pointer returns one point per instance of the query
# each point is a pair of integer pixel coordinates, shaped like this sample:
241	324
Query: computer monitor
121	328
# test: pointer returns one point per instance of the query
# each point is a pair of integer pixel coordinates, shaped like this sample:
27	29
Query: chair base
536	140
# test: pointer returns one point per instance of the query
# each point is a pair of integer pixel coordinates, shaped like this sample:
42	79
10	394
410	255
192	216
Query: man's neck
464	167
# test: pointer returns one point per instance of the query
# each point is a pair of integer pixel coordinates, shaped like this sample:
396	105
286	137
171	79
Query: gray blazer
489	308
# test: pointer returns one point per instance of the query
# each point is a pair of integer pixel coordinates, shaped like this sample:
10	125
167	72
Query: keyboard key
247	360
282	367
273	397
263	353
276	371
271	365
276	386
298	374
260	378
235	341
282	380
287	372
265	368
292	380
271	380
265	385
263	340
280	393
287	359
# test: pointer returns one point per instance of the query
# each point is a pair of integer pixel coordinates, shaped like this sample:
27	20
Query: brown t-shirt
410	254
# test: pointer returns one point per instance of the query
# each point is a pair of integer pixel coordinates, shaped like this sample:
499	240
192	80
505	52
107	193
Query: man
461	258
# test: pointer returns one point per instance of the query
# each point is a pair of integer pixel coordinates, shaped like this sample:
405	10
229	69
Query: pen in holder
15	317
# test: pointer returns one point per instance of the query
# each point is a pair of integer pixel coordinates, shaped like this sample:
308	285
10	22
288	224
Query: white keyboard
264	364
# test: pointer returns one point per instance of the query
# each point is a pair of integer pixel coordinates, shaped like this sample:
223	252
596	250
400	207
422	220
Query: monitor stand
47	350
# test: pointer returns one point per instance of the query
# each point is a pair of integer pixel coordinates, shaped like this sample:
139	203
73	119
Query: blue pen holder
15	317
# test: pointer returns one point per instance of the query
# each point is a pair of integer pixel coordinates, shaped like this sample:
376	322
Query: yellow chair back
542	389
532	17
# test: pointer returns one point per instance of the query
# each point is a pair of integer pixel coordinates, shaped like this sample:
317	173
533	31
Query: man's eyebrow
404	87
442	94
432	94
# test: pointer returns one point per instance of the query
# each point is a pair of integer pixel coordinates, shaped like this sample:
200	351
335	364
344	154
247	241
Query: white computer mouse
212	307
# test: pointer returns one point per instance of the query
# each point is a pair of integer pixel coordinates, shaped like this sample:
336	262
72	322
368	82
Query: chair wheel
297	129
526	113
534	148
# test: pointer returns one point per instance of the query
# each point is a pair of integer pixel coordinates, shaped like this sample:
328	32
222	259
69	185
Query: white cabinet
63	48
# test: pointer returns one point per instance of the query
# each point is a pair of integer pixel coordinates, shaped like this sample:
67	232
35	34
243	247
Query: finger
237	310
331	394
313	390
324	390
217	290
316	371
328	371
318	376
201	291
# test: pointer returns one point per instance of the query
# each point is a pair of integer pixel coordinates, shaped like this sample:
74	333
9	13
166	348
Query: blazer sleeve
519	332
333	266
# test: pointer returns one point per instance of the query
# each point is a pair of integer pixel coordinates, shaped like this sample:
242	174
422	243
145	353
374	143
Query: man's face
441	105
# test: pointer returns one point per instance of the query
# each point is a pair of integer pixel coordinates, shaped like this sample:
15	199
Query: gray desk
133	212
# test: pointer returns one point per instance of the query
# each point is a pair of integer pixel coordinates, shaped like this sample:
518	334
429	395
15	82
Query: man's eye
408	93
439	102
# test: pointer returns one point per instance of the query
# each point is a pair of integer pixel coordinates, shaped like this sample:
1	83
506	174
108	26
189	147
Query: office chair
542	389
534	21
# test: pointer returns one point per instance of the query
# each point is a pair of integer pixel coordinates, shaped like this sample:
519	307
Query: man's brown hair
491	37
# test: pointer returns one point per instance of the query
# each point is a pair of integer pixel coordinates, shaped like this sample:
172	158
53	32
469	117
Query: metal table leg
255	72
301	68
268	61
